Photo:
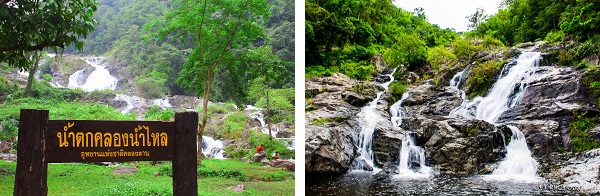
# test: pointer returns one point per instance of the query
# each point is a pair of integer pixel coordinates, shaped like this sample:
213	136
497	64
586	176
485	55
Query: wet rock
329	147
431	100
552	93
457	146
583	172
543	136
355	99
595	133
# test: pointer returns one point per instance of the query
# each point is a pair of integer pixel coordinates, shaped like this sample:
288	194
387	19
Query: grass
85	179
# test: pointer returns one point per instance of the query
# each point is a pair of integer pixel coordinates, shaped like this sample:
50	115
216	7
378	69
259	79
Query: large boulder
329	147
283	163
458	146
552	93
543	136
259	158
431	100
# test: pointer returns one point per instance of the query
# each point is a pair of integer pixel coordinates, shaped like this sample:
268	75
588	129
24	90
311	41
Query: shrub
233	125
396	89
555	36
490	41
463	49
157	113
481	77
439	56
362	70
152	85
410	50
580	138
270	146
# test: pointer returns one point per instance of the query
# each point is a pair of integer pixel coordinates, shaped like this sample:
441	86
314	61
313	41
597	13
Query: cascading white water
212	148
162	103
518	161
368	119
397	112
412	159
506	93
256	113
132	102
99	79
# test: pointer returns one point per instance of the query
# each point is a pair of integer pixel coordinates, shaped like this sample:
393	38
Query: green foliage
281	104
26	28
156	113
47	77
221	173
591	80
361	71
152	85
588	47
318	70
471	130
464	50
218	108
578	130
439	56
6	87
490	41
481	77
233	125
410	50
270	146
396	89
327	120
555	36
8	130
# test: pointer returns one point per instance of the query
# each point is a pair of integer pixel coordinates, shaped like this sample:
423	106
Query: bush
490	41
580	138
157	113
270	146
586	48
315	71
362	70
8	131
555	36
464	50
396	89
410	50
439	56
481	77
152	85
233	125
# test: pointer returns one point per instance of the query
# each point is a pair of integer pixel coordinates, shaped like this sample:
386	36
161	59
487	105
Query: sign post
43	141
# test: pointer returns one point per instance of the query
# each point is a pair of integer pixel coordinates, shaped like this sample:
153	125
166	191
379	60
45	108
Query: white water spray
506	93
518	161
368	119
412	159
212	148
256	113
99	79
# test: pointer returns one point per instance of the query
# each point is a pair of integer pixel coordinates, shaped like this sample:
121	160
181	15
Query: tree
476	18
218	27
36	25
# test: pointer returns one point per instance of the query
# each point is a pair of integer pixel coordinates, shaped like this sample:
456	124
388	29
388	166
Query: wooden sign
43	141
109	141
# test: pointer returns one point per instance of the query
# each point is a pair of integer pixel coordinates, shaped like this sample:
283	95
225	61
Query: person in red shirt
259	149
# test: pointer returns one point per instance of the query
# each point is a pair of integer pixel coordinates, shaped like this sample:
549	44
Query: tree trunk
204	112
268	114
32	70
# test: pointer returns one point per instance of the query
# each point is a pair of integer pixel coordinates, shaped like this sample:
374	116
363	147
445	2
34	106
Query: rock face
430	100
583	172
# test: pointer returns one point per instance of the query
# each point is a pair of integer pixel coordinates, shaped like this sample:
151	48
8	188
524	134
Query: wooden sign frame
43	141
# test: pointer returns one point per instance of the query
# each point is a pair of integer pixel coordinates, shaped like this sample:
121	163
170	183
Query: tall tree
218	27
35	25
476	18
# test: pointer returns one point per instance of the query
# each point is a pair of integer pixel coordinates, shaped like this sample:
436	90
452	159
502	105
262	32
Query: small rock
125	170
156	173
238	188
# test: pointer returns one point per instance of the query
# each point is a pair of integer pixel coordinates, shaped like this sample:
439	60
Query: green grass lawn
214	177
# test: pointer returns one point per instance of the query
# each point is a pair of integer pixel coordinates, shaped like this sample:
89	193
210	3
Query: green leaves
34	26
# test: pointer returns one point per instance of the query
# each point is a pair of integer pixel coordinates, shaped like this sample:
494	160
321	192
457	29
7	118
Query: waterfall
518	160
256	113
212	148
368	119
99	79
397	112
131	101
162	103
504	94
412	159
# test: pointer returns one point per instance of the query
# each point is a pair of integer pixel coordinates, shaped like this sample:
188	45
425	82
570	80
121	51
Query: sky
450	13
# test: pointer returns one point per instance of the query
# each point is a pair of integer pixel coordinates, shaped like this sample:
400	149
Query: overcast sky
449	13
